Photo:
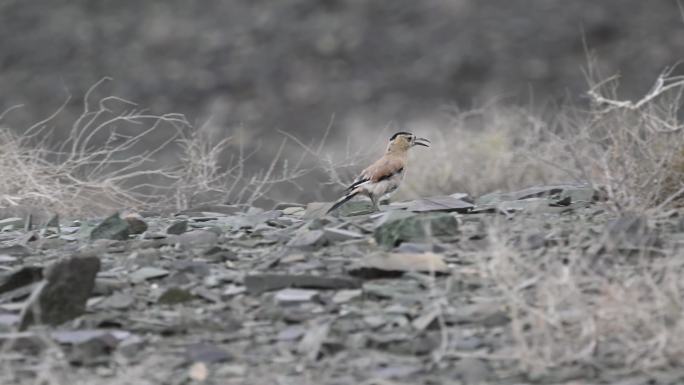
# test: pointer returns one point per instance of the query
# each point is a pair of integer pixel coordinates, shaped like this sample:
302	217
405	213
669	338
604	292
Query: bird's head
402	141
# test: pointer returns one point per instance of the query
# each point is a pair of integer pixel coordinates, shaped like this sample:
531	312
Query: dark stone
64	292
284	205
22	277
207	353
218	208
175	295
15	251
398	227
308	240
177	227
440	203
113	227
259	283
354	208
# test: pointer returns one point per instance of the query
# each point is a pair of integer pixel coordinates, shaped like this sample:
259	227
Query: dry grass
481	151
117	156
599	303
619	316
104	162
588	303
633	151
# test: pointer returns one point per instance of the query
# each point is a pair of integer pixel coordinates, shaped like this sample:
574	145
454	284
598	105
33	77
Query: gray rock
90	347
207	353
24	276
296	211
413	247
397	227
73	337
538	197
402	262
177	227
112	227
198	239
14	222
291	333
253	220
288	296
473	370
175	295
147	272
344	296
353	208
440	203
136	224
217	208
63	293
308	240
7	259
15	251
8	322
117	301
285	205
259	283
311	343
338	235
316	210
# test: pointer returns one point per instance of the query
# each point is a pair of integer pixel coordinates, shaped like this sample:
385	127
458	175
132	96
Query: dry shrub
117	156
567	311
483	150
205	176
632	150
105	161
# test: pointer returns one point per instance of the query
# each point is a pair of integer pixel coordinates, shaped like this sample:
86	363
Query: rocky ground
444	290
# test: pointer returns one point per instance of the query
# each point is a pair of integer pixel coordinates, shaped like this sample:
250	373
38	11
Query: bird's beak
421	142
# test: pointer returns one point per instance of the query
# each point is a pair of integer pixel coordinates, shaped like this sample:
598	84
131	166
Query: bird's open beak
422	142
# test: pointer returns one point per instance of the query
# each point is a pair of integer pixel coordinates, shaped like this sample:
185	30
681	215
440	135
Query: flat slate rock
22	277
310	239
340	235
400	226
175	295
259	283
218	208
316	209
15	222
147	272
290	295
440	203
354	208
15	251
388	265
207	353
177	227
578	192
63	294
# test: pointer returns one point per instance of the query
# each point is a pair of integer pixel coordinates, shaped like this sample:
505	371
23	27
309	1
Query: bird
385	175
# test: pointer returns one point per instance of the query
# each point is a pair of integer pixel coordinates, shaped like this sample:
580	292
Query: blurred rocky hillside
292	63
254	66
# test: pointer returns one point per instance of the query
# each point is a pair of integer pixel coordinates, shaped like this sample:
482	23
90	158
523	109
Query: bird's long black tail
343	200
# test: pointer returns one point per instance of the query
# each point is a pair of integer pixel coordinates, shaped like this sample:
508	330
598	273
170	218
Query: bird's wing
382	169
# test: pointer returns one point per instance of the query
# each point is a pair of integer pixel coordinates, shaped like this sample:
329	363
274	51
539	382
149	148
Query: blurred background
248	68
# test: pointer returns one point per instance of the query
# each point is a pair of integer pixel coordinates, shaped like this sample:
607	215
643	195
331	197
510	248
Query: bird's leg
374	199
